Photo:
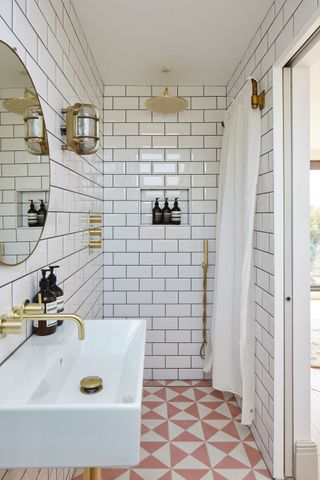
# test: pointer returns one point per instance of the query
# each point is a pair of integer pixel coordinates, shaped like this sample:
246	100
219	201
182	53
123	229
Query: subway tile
125	129
153	155
191	141
139	297
152	181
138	91
179	155
165	245
204	103
151	129
114	91
178	129
164	168
138	116
215	91
125	103
165	141
139	141
191	116
126	155
126	180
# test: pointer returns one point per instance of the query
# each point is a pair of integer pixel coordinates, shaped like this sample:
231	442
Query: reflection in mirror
24	161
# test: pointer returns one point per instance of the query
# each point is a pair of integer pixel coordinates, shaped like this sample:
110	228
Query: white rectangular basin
46	421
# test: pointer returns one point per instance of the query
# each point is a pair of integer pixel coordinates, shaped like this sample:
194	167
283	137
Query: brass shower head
166	103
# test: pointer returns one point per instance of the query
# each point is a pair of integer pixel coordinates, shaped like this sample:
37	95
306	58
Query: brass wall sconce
34	131
81	129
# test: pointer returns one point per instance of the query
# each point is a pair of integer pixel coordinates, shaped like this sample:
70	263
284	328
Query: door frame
291	438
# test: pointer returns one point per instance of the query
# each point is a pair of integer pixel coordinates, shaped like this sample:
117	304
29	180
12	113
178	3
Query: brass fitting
12	323
95	218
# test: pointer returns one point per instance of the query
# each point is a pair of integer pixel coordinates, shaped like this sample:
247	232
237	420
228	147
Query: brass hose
205	266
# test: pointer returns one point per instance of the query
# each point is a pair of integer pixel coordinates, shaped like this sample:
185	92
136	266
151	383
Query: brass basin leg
92	473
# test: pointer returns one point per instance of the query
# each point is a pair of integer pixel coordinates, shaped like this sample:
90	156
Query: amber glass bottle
166	213
48	298
56	290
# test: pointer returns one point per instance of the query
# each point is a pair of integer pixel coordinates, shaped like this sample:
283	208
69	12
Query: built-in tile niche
23	204
148	197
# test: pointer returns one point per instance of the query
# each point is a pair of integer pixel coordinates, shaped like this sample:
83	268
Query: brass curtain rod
258	100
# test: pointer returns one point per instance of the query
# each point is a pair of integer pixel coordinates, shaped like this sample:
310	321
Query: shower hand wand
205	266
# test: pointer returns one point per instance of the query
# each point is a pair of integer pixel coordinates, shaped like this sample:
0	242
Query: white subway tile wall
49	39
151	271
283	21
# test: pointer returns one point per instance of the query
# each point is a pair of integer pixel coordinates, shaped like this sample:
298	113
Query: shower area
157	271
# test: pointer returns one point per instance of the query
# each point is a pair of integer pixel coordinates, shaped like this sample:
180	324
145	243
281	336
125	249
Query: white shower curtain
230	352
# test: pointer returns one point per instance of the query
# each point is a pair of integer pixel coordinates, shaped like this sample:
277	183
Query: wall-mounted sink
46	421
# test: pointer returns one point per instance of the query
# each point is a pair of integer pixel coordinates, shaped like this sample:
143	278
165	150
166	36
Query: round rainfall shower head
20	104
166	103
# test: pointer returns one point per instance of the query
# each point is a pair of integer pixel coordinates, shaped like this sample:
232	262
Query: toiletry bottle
48	298
176	213
156	213
42	214
52	279
166	213
32	215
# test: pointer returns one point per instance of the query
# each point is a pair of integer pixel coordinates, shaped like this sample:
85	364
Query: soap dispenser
166	213
32	215
156	213
48	298
176	213
42	214
52	279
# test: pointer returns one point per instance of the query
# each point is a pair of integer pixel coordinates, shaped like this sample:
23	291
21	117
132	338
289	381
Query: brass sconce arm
12	323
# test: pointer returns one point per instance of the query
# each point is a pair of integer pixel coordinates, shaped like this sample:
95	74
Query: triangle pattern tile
190	431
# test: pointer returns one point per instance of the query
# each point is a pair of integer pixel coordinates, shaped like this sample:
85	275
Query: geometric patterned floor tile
189	431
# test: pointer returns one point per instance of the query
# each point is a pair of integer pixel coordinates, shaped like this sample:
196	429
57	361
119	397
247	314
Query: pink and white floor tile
192	432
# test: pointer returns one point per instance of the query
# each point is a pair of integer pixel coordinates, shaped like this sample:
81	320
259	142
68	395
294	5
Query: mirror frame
2	262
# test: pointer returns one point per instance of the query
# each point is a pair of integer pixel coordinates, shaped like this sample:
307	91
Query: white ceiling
202	41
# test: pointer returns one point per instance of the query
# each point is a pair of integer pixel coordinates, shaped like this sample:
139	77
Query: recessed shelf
148	197
23	205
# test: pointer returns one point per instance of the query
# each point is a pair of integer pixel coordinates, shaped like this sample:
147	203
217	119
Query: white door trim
282	443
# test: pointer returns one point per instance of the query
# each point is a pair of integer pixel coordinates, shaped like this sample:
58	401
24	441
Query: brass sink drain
90	385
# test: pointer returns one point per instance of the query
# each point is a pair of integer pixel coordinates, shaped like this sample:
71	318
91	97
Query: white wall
155	271
50	41
283	21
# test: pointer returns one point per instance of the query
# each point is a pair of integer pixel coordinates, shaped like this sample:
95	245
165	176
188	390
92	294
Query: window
315	225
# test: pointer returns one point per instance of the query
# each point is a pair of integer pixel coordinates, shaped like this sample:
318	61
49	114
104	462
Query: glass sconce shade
35	132
82	128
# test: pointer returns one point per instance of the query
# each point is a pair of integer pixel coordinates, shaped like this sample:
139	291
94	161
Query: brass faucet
12	323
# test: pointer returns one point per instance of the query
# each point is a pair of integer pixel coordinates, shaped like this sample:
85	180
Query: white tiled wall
283	21
155	271
50	41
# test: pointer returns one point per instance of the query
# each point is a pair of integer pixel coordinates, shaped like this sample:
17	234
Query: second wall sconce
81	129
34	131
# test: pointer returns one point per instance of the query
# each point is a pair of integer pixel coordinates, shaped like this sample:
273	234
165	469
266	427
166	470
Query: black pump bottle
56	290
42	214
156	213
166	213
32	215
48	298
176	213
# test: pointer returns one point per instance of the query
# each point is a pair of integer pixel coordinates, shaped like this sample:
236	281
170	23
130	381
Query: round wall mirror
24	161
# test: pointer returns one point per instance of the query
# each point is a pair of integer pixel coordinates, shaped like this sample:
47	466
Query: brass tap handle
95	232
95	218
95	245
